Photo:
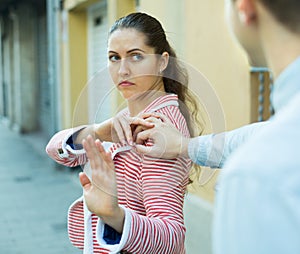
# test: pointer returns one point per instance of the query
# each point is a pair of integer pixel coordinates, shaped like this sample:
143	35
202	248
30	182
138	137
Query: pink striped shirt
150	190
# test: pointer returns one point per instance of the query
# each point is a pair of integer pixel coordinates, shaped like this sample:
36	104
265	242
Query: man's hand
168	141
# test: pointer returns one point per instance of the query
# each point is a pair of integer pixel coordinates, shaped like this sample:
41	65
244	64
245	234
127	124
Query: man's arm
214	149
208	150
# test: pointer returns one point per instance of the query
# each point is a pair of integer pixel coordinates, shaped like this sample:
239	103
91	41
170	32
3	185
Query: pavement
34	197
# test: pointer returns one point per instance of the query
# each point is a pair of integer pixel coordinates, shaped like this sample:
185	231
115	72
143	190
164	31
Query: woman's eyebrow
129	51
136	49
111	51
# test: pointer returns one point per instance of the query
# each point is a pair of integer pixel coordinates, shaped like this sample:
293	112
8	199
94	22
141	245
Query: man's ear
164	61
247	11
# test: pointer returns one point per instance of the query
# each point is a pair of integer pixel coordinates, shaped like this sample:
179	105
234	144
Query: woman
132	202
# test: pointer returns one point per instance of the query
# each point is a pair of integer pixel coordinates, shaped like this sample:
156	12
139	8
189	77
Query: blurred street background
34	197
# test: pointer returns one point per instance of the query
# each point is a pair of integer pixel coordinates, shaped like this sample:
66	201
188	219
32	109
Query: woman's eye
114	58
136	57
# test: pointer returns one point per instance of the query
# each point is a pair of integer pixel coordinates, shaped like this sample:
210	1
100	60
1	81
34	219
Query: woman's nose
124	68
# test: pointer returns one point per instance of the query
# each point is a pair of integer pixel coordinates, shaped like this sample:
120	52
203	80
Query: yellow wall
78	4
75	68
119	8
213	52
171	15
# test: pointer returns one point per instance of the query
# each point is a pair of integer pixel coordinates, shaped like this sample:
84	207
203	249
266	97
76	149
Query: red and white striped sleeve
58	149
76	223
162	229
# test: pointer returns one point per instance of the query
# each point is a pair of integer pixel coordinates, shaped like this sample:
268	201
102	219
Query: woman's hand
100	192
125	128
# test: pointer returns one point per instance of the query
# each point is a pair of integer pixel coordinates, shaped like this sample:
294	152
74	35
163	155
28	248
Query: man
258	201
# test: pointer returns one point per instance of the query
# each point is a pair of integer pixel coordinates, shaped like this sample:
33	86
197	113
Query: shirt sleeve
110	239
76	223
214	149
62	150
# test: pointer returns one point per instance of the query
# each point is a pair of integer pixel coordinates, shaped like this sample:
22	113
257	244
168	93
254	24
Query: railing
261	89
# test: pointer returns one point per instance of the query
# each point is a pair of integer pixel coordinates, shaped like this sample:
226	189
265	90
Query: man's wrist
184	147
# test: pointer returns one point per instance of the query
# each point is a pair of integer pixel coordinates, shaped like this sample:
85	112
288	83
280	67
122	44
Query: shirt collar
286	85
159	103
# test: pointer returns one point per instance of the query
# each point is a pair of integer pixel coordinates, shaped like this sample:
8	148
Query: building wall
5	66
215	54
24	74
27	86
75	68
2	92
171	16
44	102
19	38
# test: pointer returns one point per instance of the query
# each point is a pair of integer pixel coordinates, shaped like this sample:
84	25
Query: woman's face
132	64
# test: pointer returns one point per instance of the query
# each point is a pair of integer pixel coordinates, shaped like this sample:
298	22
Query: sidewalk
34	198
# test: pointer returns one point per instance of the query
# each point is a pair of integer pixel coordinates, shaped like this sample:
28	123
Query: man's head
286	12
246	18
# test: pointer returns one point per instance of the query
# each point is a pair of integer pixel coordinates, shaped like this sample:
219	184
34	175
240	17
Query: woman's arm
101	131
65	147
61	149
116	129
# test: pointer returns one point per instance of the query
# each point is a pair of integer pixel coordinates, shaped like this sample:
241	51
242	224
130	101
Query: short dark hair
287	12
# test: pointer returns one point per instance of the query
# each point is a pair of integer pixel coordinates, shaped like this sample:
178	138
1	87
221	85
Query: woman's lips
126	83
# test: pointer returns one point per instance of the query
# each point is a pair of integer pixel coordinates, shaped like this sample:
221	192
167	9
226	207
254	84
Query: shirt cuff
107	242
208	150
67	145
199	149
